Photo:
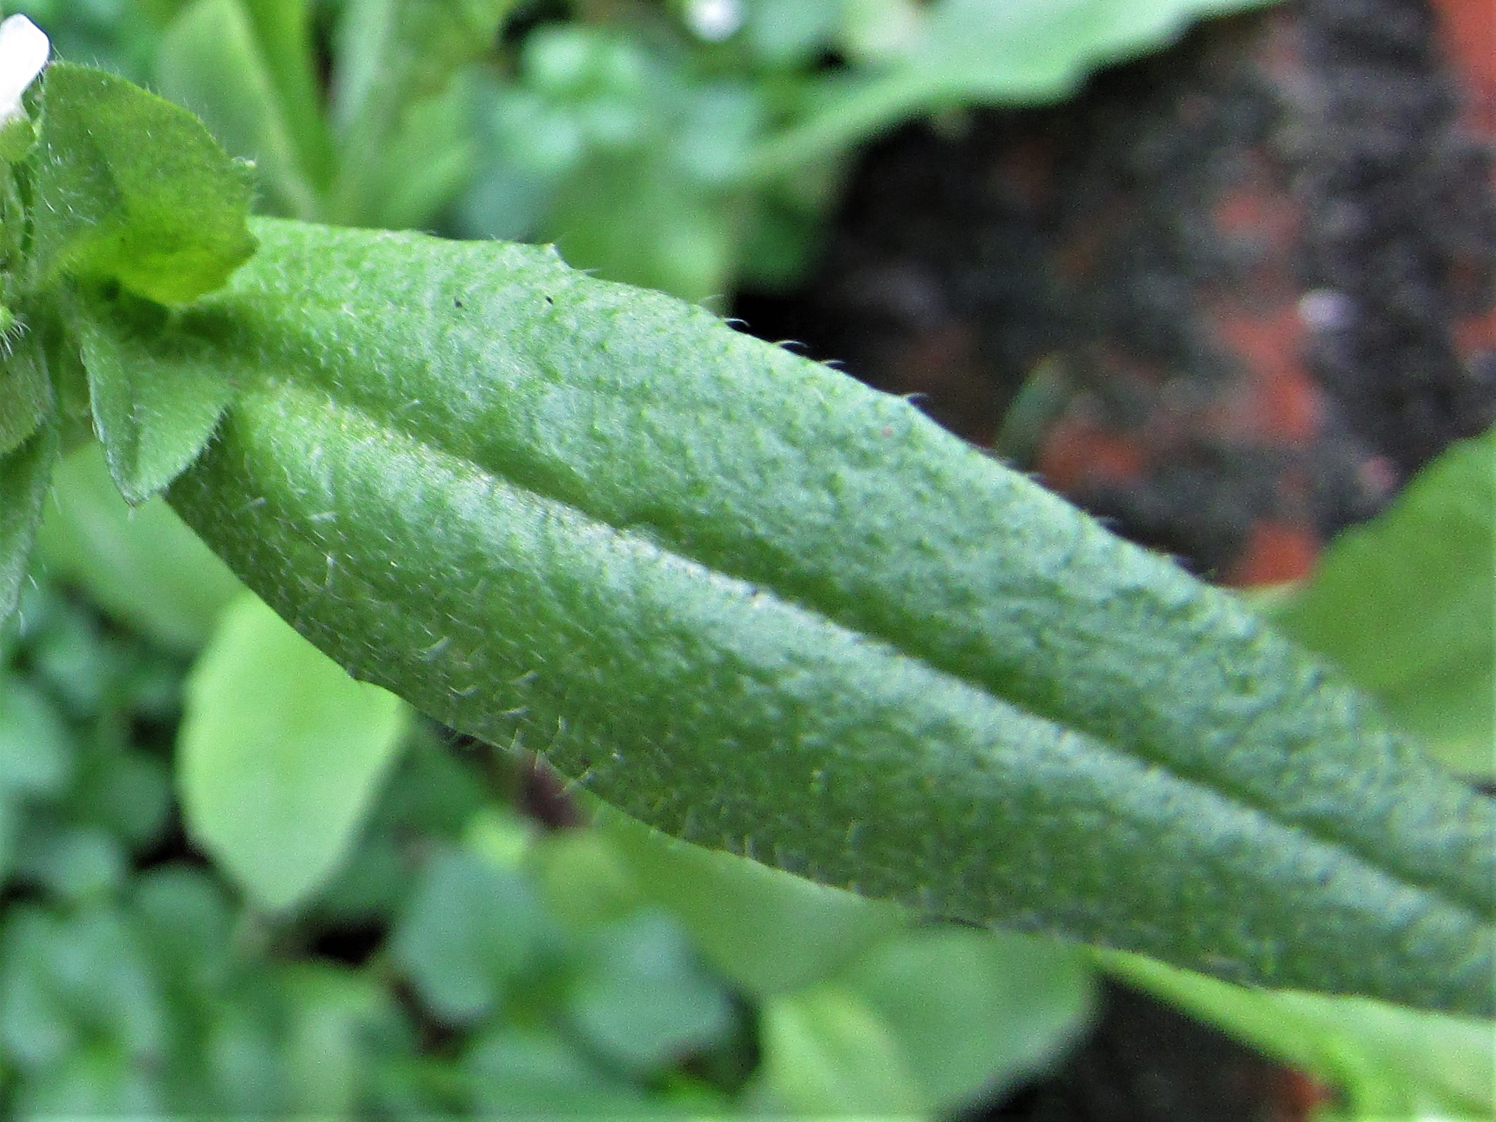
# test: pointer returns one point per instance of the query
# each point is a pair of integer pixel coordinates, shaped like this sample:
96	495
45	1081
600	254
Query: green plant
738	596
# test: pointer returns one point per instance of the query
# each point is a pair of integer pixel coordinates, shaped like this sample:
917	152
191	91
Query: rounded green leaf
280	755
468	931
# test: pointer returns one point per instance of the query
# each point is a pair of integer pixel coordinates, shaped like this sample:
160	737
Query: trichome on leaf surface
733	592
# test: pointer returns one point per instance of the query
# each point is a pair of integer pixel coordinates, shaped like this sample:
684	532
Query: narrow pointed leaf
153	414
768	610
25	391
25	474
136	190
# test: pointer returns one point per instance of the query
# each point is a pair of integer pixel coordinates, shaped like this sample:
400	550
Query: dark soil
1240	281
1230	299
1146	1062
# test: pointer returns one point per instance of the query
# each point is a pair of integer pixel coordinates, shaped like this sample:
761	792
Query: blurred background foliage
235	882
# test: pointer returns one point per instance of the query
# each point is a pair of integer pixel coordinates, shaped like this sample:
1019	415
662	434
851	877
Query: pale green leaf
211	62
960	52
280	755
974	1012
1406	605
768	931
827	1052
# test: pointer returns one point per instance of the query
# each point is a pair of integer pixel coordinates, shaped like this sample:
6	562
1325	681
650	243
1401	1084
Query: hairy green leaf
155	395
25	475
136	190
765	609
26	398
1406	605
281	755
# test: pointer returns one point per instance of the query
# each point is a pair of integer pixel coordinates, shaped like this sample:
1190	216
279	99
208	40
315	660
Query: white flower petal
23	52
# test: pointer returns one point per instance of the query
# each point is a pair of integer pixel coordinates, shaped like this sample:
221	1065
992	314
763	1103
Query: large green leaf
768	610
1406	604
136	190
281	755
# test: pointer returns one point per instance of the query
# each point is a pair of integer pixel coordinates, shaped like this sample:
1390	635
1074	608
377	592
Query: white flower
715	20
23	52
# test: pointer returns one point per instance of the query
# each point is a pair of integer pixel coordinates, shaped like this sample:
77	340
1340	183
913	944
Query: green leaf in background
827	1052
766	609
974	1011
280	755
25	475
140	563
468	932
154	404
400	107
1387	1061
211	61
641	999
768	931
334	1012
530	1073
136	190
962	52
924	1023
1406	604
36	749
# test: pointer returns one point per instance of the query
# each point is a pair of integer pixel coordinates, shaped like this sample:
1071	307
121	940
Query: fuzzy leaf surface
155	394
25	390
136	190
25	475
768	610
